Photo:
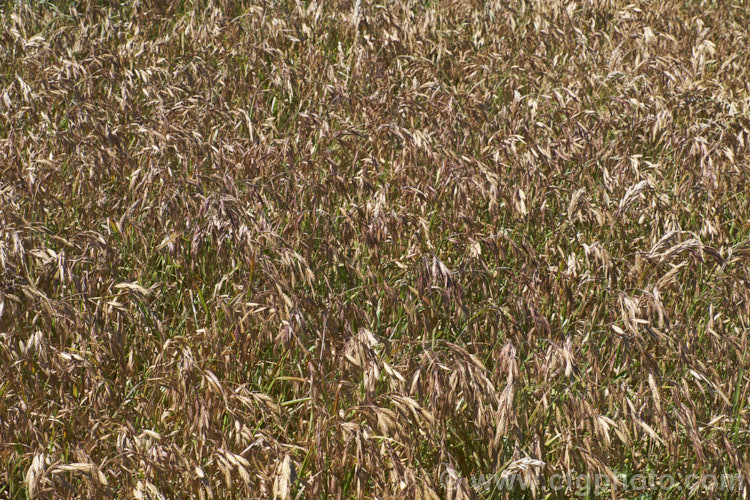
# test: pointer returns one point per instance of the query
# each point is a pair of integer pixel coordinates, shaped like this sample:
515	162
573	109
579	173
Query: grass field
343	249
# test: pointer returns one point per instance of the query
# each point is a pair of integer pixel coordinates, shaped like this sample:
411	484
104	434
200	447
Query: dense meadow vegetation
406	249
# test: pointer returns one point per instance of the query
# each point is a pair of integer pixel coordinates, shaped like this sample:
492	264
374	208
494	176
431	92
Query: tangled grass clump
341	249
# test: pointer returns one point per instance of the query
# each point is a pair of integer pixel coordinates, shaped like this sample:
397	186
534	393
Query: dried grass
356	249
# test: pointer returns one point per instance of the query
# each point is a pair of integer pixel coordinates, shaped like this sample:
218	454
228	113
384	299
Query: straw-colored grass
351	249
